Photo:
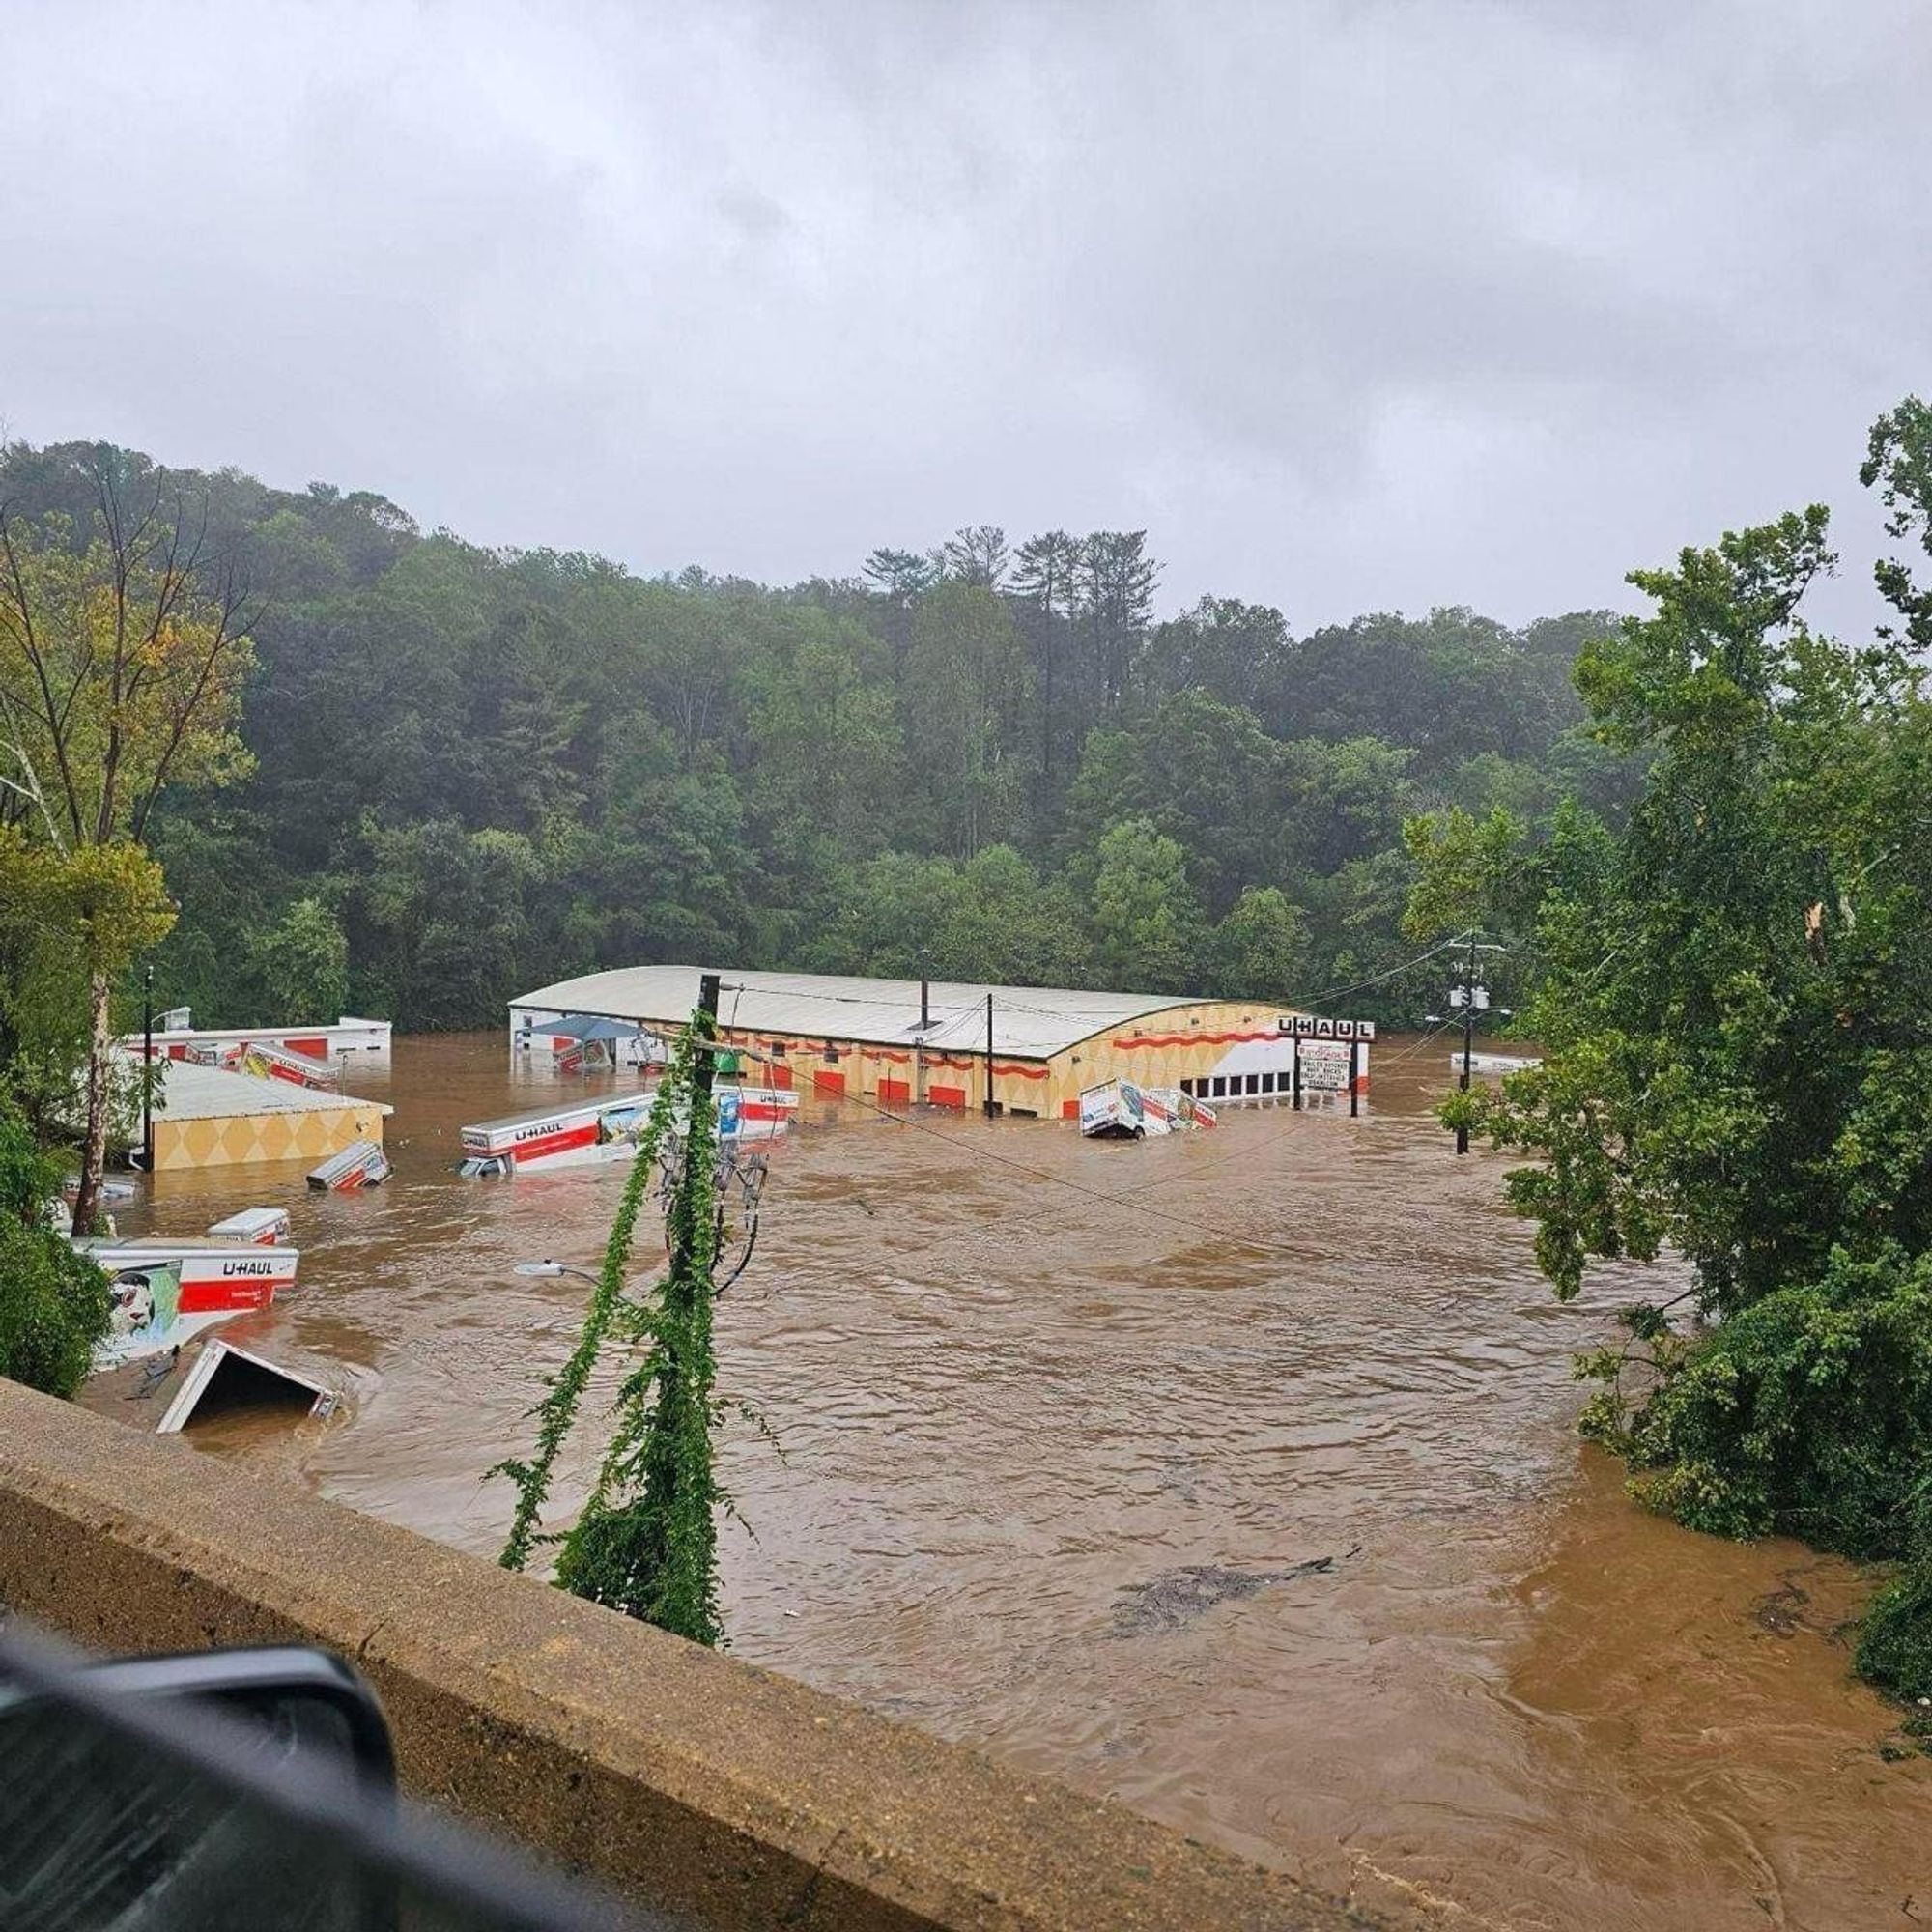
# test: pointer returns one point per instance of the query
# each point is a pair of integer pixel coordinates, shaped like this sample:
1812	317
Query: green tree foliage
1899	463
124	650
303	962
1261	949
1895	1638
1147	921
1732	995
962	708
1241	652
1202	772
493	768
53	1303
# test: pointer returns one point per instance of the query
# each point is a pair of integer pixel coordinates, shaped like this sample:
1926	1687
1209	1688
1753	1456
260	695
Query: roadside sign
1324	1065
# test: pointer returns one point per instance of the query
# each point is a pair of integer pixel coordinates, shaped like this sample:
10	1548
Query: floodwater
1232	1475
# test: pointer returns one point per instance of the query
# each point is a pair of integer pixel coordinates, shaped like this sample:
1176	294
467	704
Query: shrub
53	1308
53	1304
1807	1414
1895	1639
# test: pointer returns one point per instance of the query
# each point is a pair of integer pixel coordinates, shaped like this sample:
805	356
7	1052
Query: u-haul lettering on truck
230	1269
536	1129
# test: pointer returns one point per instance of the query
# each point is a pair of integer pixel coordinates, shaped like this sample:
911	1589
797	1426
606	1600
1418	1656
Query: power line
1131	1205
1034	1173
1380	978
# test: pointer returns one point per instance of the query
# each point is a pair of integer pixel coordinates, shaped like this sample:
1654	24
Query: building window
1254	1083
1267	1083
830	1053
1219	1088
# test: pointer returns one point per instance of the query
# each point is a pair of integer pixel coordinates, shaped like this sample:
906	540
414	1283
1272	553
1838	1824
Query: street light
551	1270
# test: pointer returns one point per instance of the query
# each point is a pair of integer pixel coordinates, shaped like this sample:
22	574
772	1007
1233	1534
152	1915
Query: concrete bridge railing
706	1787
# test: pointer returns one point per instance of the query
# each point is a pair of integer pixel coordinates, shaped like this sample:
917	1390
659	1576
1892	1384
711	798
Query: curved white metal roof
1029	1022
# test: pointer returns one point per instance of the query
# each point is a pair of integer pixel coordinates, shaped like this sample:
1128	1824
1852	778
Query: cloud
1352	307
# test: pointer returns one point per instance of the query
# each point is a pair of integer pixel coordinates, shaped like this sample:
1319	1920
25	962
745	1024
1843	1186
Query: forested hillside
477	770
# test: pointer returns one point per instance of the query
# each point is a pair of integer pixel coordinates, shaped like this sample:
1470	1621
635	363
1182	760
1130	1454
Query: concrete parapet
713	1790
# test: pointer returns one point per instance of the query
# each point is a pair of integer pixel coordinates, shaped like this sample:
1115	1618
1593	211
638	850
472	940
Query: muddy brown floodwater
1250	1496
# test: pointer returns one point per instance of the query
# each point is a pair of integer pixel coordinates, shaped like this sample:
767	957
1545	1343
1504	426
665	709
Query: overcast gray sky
1352	307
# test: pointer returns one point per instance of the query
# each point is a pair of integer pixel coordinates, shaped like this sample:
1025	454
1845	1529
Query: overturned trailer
1119	1110
609	1130
360	1164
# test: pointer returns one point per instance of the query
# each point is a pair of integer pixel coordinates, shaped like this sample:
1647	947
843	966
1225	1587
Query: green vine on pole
557	1410
646	1542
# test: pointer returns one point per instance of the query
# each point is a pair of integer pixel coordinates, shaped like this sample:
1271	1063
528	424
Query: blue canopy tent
593	1030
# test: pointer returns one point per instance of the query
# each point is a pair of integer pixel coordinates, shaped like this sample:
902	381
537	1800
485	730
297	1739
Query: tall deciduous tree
1899	462
1237	652
122	651
1260	949
1146	921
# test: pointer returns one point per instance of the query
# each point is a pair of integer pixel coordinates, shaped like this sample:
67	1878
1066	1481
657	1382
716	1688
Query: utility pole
991	1107
1468	1033
703	1074
1473	997
148	1070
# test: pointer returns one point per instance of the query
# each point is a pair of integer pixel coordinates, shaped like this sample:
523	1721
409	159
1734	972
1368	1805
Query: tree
1899	460
1206	774
961	706
1260	949
303	962
828	756
977	555
1731	997
1116	604
1045	586
1346	800
437	919
122	659
899	579
899	576
1238	652
1145	919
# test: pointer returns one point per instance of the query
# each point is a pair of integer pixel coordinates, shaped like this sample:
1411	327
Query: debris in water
1172	1601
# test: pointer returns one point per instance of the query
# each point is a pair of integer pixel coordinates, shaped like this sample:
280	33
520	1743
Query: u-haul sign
1311	1026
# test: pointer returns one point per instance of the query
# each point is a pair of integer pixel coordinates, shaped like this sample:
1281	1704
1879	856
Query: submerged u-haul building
941	1044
